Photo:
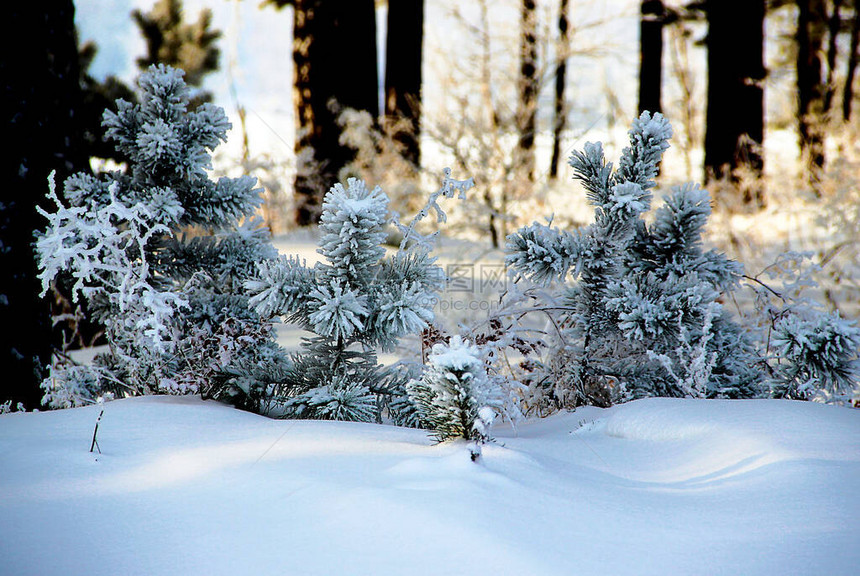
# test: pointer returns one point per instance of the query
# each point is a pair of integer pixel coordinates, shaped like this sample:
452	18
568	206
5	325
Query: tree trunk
403	59
563	48
834	23
651	56
528	91
41	91
735	109
851	68
334	54
811	29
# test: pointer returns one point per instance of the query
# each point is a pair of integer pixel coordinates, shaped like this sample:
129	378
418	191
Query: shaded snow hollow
656	486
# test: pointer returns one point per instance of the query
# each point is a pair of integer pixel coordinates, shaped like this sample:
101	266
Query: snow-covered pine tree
643	309
454	396
160	251
816	357
356	302
813	353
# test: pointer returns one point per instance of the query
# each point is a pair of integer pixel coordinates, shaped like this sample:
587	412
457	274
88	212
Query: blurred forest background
762	96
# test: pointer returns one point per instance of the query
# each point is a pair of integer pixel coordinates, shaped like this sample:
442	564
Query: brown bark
334	55
811	30
560	110
834	23
528	90
851	67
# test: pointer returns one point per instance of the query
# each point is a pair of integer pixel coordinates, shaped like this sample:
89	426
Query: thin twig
765	286
95	444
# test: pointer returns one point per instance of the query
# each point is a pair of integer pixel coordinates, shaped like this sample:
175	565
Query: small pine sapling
454	396
816	358
642	311
811	352
506	349
355	302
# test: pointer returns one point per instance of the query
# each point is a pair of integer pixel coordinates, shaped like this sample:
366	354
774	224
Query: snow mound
657	419
184	486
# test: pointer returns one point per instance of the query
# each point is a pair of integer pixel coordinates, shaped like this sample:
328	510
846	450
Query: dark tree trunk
811	29
834	23
334	55
560	111
403	58
40	74
851	67
528	91
651	56
735	108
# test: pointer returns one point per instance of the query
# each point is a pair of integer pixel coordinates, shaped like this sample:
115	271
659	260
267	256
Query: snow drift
655	486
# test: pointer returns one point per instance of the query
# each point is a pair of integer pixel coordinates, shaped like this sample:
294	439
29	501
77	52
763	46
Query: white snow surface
658	486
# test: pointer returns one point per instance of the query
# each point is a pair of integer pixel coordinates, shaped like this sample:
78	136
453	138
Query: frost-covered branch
448	189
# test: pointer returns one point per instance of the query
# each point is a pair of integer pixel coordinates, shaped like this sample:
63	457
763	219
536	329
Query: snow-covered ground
656	486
